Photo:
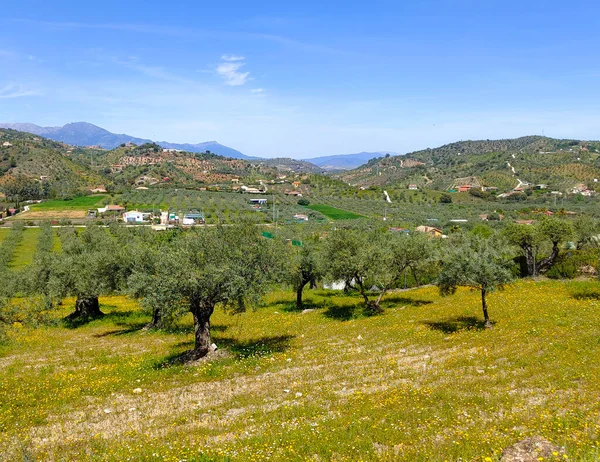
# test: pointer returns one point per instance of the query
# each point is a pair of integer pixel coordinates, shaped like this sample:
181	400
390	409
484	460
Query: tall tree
478	263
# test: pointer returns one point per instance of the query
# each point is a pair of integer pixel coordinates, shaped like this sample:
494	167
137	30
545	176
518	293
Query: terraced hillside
499	163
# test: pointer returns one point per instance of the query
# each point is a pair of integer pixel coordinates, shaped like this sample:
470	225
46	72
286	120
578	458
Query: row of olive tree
195	271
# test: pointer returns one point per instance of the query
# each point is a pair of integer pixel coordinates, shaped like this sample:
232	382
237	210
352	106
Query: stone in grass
137	390
532	449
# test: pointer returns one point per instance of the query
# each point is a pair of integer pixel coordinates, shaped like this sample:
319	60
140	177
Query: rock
107	411
286	391
137	390
359	337
298	395
531	449
308	310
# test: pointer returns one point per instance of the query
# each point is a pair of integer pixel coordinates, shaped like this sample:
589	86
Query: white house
258	201
134	217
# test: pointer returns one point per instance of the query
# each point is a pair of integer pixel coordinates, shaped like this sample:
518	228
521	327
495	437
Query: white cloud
229	70
232	58
258	90
13	90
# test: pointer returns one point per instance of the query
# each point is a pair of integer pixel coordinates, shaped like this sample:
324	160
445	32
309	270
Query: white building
135	217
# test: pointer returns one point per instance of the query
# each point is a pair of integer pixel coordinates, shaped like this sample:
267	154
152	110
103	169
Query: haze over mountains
86	134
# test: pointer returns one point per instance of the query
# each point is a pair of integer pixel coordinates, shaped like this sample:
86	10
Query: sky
305	79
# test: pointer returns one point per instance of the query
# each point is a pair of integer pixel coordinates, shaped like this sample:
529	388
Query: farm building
413	187
111	208
435	232
301	217
251	190
258	201
191	219
135	217
293	193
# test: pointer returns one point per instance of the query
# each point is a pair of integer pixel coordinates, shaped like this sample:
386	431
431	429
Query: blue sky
303	79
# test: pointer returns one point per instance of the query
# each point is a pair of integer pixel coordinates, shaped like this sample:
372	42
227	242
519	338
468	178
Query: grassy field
78	203
26	249
422	382
334	213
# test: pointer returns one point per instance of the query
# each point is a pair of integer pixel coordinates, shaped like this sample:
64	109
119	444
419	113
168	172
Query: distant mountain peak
88	134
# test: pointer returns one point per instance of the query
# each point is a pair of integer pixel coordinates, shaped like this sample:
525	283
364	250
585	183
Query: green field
78	203
26	249
333	213
422	382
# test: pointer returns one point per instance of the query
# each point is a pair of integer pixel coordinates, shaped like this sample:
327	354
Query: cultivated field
422	382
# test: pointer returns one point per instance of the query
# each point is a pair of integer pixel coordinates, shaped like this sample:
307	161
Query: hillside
44	160
86	134
423	382
286	164
499	163
151	164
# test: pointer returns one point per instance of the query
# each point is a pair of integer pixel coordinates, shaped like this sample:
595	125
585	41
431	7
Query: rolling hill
39	158
499	163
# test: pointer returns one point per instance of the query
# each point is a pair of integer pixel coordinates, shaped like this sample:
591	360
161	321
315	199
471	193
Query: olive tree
305	267
230	267
478	263
532	238
380	257
92	263
155	264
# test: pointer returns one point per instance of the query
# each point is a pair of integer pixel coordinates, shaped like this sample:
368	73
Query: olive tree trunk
202	344
486	316
156	322
86	307
299	292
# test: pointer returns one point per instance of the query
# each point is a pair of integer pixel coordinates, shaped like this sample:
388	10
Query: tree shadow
588	294
131	327
264	346
228	347
457	324
290	307
342	312
127	329
400	300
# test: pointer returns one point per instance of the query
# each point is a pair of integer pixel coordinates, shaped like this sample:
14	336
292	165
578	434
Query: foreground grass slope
423	382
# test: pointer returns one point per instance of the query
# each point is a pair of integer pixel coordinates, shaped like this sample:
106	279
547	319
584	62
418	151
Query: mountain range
86	134
347	161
